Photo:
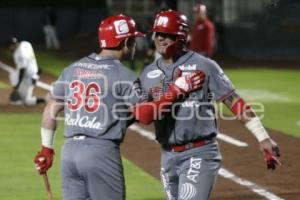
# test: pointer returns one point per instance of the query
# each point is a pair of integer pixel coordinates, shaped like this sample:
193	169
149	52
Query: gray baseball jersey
195	113
190	174
94	91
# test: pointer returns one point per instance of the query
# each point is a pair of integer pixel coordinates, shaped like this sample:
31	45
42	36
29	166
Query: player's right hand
43	159
189	82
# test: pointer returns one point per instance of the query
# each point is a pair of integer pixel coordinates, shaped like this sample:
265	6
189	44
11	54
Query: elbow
144	113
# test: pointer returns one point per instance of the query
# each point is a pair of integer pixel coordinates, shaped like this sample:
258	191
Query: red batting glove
190	82
44	159
271	160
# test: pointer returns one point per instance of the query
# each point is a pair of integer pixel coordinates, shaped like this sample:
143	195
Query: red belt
184	147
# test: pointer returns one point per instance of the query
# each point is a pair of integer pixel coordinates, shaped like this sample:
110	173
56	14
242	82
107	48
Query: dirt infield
246	163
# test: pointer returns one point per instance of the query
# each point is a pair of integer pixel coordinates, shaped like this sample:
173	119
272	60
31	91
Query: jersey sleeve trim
225	96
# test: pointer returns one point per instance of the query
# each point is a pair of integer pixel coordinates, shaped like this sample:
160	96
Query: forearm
49	123
21	75
247	115
49	115
146	112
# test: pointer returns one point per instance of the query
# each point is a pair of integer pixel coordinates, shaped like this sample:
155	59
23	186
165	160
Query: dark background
273	34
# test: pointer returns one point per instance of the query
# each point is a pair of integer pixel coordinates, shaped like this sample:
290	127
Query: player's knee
30	101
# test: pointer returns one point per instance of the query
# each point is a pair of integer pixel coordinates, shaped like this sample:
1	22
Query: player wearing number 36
98	95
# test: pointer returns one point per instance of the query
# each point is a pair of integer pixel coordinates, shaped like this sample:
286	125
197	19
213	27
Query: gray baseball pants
91	169
191	174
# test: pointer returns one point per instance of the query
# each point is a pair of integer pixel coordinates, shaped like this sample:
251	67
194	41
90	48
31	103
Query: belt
184	147
197	143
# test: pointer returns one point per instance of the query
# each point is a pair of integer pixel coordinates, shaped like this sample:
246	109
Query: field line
250	185
231	140
143	132
10	69
150	135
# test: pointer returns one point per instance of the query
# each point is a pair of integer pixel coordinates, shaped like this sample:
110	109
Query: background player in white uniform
90	91
190	157
26	75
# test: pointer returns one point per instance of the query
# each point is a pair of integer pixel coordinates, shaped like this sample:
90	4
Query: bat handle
47	185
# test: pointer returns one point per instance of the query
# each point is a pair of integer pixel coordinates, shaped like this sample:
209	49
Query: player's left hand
189	82
43	159
271	152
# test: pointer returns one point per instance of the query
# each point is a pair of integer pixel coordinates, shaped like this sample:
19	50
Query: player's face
162	41
12	47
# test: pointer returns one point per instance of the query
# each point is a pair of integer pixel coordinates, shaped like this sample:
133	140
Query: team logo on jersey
154	74
190	67
187	191
83	122
121	27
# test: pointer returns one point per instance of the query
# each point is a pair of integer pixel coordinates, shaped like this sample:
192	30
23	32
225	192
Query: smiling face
162	41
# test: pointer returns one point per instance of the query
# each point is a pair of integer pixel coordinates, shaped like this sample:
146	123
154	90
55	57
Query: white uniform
52	41
25	59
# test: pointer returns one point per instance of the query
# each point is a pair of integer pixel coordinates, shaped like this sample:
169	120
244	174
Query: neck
173	59
111	53
167	61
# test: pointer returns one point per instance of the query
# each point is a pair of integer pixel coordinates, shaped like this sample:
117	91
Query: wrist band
256	128
47	137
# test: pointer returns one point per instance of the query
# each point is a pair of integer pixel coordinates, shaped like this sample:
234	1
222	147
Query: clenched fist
43	159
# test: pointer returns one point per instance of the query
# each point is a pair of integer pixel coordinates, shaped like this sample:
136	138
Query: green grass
20	140
51	63
282	107
54	64
4	85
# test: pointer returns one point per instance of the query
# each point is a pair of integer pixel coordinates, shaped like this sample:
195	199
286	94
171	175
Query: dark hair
11	40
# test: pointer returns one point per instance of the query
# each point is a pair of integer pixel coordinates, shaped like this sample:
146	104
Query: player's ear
130	42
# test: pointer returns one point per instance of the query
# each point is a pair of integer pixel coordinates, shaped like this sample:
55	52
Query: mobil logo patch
190	67
121	27
154	74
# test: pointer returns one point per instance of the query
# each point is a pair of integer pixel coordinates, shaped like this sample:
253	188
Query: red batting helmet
113	30
171	22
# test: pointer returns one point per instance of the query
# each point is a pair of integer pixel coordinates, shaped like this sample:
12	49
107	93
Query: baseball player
203	32
94	93
26	75
190	157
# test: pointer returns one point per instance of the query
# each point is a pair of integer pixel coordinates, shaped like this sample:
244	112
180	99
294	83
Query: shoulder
69	69
209	23
25	45
206	64
124	72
